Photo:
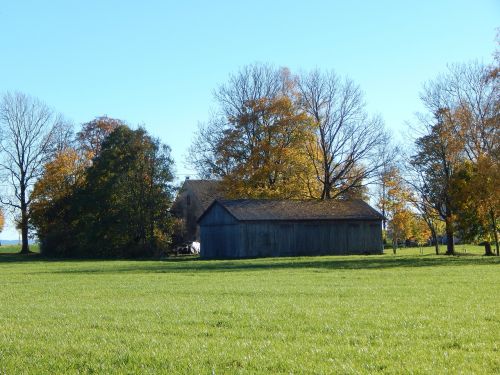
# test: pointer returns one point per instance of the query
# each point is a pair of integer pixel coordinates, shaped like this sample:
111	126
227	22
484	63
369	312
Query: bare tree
345	151
30	135
422	200
474	94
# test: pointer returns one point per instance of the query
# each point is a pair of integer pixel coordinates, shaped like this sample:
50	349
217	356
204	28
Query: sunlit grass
430	250
403	313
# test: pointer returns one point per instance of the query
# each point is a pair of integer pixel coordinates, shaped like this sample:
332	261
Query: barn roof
267	209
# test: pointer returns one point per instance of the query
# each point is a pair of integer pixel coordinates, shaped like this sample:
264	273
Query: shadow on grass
20	258
192	265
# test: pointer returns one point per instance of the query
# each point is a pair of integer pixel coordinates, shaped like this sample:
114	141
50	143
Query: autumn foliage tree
52	196
477	198
93	134
396	203
269	159
117	206
284	136
2	220
457	157
255	143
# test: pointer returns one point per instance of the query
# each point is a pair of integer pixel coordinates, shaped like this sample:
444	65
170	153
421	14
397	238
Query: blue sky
157	62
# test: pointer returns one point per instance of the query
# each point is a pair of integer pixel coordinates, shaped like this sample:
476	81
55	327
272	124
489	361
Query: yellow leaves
60	176
396	205
420	230
2	220
267	144
476	195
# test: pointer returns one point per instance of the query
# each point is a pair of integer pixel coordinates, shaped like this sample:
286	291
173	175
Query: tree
250	84
255	143
389	155
344	150
93	134
437	157
464	126
397	208
119	206
130	184
420	230
270	160
476	91
2	220
52	194
421	202
476	193
29	139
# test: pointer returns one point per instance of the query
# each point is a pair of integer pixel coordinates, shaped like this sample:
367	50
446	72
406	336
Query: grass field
407	313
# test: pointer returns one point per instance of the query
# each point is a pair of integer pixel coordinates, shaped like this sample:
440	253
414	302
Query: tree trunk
24	223
494	230
450	247
326	193
487	249
435	239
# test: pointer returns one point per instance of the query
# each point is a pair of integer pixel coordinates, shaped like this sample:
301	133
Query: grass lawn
407	313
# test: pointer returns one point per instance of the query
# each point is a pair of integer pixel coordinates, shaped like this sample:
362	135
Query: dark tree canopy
121	210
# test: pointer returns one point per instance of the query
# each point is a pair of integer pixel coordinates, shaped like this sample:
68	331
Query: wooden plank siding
305	238
224	236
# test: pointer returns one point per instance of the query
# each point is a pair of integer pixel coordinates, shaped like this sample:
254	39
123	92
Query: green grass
348	314
16	248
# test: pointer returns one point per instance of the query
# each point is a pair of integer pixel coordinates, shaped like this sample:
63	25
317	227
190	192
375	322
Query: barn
247	228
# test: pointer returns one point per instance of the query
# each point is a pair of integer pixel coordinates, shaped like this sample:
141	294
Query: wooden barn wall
219	234
311	238
270	238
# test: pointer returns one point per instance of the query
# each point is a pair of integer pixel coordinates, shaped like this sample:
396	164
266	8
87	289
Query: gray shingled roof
205	191
266	209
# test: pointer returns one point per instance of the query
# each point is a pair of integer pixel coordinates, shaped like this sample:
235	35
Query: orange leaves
60	177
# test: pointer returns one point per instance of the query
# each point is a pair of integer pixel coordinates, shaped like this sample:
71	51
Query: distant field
407	313
16	248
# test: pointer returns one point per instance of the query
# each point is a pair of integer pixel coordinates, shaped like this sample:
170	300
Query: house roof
205	191
267	209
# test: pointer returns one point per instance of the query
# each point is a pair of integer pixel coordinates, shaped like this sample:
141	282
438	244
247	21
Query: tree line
278	135
107	190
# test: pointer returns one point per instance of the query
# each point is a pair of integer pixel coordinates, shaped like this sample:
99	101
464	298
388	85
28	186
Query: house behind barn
258	228
192	200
